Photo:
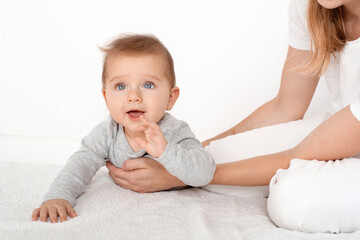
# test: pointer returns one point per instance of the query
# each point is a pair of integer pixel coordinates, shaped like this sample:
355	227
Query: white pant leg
317	196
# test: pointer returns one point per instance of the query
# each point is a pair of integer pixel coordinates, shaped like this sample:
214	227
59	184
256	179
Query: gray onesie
184	157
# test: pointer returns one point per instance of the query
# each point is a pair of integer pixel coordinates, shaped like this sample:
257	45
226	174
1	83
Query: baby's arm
188	161
74	176
53	209
183	155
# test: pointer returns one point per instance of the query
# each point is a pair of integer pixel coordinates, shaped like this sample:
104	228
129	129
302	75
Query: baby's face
137	85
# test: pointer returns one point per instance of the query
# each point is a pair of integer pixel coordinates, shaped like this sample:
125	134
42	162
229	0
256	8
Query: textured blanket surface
107	211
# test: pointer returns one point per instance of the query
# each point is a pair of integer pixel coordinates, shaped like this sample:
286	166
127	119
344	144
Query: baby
138	87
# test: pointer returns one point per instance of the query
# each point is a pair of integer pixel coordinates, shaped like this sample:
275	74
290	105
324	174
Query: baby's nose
134	96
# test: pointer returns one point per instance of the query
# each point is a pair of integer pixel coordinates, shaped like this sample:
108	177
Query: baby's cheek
116	113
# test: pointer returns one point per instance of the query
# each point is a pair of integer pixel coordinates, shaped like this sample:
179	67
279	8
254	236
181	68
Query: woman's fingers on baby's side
134	164
114	171
110	166
121	182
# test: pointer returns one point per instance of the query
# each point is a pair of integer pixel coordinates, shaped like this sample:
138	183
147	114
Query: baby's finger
35	214
43	214
145	121
70	211
142	128
53	215
62	213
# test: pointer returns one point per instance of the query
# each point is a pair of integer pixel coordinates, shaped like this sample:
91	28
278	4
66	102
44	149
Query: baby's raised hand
53	209
154	142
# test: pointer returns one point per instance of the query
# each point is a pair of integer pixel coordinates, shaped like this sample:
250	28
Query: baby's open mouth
135	114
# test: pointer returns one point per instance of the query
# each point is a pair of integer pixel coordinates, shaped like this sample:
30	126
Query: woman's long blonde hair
327	34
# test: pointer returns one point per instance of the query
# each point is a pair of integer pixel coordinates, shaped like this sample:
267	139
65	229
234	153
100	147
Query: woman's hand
54	208
206	142
143	175
229	132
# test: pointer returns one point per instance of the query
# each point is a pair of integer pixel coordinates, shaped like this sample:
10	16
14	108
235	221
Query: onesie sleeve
80	168
185	158
299	37
355	109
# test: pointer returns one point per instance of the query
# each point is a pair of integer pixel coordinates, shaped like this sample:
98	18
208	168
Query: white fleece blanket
106	211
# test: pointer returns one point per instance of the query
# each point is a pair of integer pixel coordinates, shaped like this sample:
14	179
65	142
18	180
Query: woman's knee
316	196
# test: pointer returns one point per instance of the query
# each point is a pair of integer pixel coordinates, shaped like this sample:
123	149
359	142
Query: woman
324	40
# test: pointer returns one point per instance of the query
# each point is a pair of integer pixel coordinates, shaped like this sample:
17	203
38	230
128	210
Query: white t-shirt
343	75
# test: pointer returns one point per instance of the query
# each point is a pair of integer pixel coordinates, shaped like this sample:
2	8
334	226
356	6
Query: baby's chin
133	132
132	126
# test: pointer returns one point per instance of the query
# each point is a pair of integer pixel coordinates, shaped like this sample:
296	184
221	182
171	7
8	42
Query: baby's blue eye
120	86
148	85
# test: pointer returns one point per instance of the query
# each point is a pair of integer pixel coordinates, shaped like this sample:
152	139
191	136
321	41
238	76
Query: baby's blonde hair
138	44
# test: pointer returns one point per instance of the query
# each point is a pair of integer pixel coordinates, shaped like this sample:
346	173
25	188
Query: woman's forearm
336	138
253	171
268	114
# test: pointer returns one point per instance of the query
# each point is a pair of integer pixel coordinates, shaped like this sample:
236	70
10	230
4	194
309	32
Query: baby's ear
104	95
174	94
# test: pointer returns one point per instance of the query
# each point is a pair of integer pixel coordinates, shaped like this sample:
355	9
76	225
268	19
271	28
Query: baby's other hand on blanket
53	209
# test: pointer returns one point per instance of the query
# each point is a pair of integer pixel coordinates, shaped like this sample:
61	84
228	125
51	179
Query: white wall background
228	59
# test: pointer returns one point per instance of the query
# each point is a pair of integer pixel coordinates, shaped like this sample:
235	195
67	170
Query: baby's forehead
115	56
155	62
138	62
